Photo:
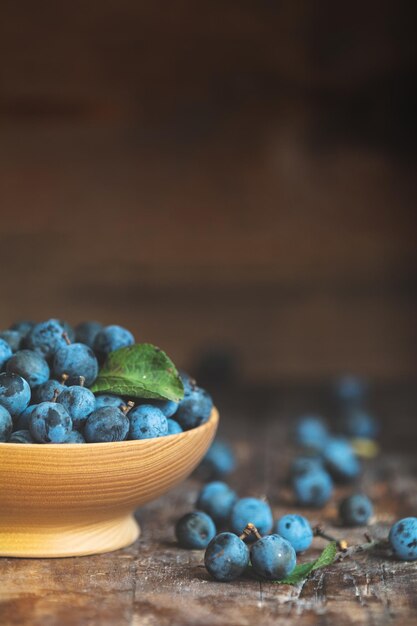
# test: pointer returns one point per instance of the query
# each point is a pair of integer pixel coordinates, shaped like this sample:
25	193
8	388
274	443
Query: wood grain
69	499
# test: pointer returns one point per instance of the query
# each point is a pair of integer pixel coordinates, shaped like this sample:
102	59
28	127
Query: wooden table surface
154	582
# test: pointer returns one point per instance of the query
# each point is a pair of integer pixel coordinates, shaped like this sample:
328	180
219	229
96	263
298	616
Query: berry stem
82	381
125	408
64	378
250	529
371	544
67	339
342	544
55	396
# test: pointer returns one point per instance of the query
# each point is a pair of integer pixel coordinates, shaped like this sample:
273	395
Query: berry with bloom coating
403	538
194	409
50	423
5	352
356	510
313	489
6	424
226	557
30	365
112	338
195	530
106	424
251	510
296	529
147	422
217	499
273	557
14	393
340	460
173	427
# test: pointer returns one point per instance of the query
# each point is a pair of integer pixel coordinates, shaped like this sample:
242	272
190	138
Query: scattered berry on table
273	557
313	489
195	530
311	433
341	460
304	465
251	510
219	461
226	557
217	499
403	539
355	510
359	424
296	530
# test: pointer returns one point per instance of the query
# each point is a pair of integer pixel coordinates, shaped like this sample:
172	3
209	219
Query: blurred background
234	181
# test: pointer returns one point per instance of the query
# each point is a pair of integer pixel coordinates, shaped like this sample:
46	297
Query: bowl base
68	539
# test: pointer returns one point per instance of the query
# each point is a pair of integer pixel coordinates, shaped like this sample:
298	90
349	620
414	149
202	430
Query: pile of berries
46	370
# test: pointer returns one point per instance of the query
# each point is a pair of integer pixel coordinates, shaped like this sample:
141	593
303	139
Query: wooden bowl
72	499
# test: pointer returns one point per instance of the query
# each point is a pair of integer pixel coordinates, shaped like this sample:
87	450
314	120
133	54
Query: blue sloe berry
273	557
111	338
173	427
86	332
355	510
296	529
79	403
106	424
50	423
30	365
313	489
76	359
403	538
194	409
6	424
226	557
14	393
147	422
5	352
251	510
217	499
195	530
340	460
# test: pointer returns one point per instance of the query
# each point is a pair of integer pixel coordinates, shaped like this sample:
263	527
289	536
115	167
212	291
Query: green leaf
140	371
300	572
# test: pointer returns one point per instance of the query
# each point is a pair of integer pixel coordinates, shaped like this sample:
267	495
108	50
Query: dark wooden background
237	174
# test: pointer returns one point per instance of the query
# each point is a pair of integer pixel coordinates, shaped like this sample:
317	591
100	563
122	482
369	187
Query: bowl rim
212	421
